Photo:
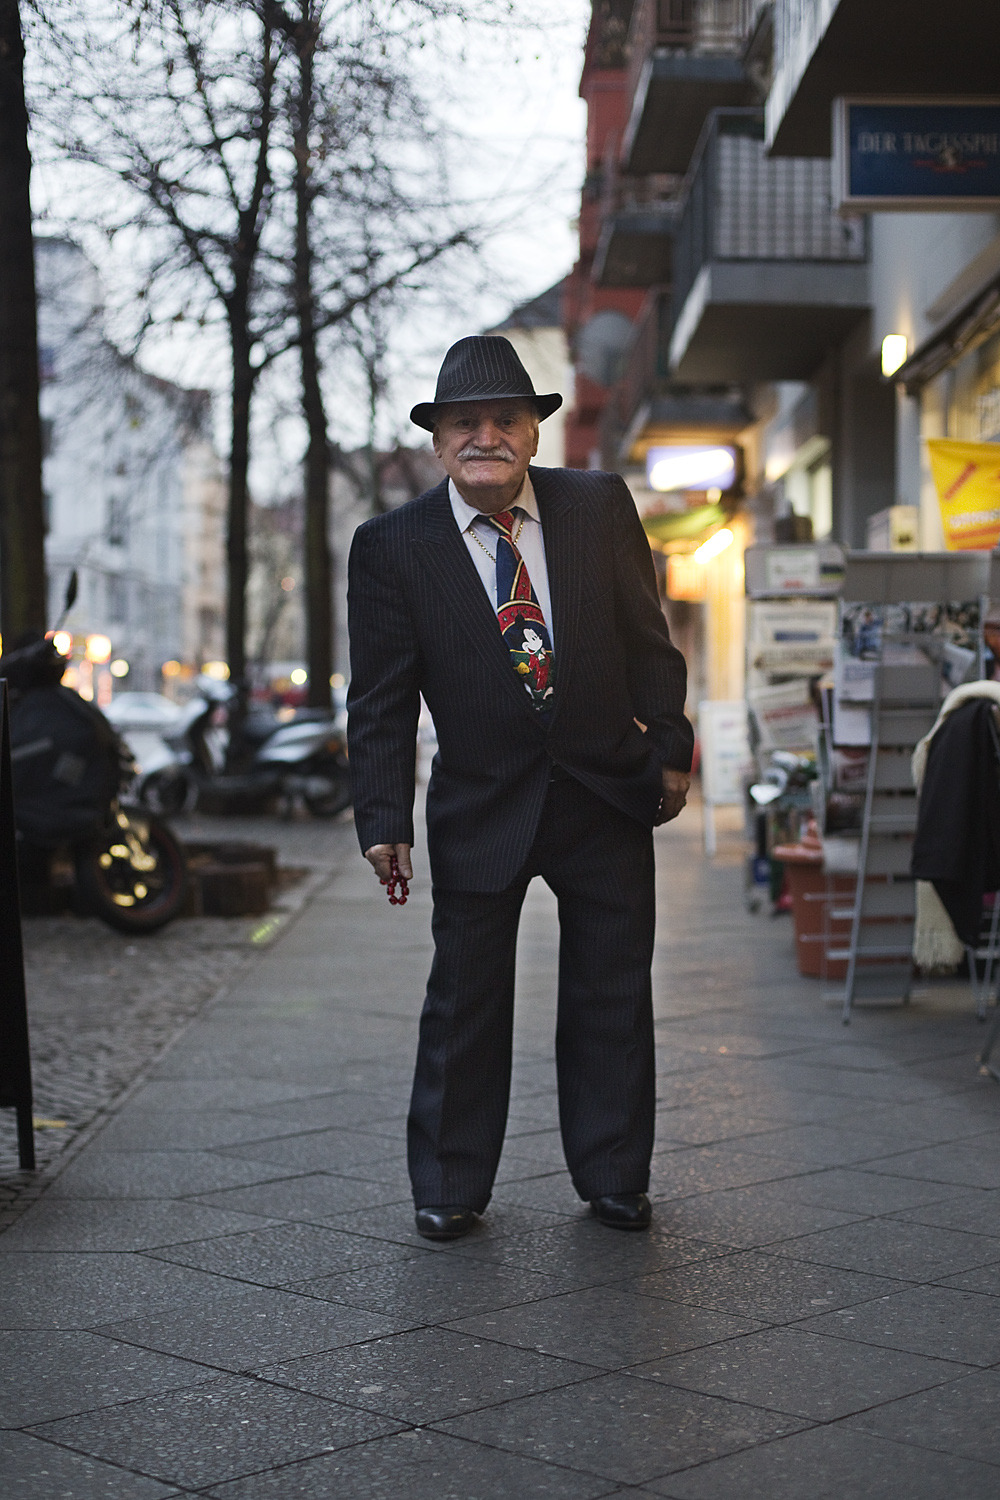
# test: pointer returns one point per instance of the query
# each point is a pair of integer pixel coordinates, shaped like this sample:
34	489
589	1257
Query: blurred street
222	1294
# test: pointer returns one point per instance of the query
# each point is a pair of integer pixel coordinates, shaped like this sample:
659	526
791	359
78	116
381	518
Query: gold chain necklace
513	540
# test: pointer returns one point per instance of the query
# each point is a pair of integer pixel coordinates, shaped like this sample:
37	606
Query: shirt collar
465	514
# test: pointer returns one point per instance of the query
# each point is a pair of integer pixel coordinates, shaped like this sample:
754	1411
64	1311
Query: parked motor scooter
72	775
305	758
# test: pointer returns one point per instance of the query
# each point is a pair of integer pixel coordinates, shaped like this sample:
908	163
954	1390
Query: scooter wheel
167	793
133	876
328	803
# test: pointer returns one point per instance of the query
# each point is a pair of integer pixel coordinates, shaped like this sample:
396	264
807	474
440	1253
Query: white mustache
499	455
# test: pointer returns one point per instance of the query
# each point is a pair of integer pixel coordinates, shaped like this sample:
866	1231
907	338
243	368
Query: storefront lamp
63	642
894	351
119	668
683	467
216	669
299	676
716	543
98	648
171	669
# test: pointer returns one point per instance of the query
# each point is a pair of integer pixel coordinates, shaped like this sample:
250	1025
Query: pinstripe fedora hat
482	368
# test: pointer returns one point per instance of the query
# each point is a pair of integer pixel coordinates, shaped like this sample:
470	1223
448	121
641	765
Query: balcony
824	48
648	407
684	60
636	247
638	222
767	278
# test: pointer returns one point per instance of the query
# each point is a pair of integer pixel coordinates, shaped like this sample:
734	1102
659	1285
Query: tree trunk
316	538
22	510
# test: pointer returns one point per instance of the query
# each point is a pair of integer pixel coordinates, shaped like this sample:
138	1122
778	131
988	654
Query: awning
684	525
967	329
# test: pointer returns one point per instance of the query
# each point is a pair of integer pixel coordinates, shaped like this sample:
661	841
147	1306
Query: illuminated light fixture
299	676
716	543
893	352
685	580
98	648
337	680
690	468
119	668
217	669
288	584
171	669
63	642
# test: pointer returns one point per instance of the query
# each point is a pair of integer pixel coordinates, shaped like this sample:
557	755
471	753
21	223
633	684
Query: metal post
15	1056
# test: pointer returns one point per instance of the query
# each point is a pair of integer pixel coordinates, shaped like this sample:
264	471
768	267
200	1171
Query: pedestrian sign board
916	153
725	750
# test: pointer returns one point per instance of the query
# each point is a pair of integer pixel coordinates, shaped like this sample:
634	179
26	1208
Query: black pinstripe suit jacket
421	622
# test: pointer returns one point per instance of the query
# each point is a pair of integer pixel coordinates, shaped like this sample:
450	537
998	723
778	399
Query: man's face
486	446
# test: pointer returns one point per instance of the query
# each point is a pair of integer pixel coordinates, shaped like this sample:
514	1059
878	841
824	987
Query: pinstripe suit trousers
599	864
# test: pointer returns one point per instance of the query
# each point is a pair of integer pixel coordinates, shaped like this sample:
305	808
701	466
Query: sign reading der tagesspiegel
916	154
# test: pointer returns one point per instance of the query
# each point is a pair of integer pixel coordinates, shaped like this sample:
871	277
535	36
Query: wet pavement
221	1293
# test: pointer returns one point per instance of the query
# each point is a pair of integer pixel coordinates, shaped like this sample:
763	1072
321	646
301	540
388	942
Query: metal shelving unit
905	702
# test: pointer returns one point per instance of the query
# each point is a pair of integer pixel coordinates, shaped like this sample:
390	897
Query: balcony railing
690	26
744	206
646	371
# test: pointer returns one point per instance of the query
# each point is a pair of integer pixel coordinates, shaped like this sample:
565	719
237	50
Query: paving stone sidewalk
222	1293
103	1003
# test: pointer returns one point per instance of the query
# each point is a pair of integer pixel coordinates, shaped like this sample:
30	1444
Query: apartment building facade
756	302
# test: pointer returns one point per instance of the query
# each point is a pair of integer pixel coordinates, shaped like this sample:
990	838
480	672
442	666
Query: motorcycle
305	758
72	778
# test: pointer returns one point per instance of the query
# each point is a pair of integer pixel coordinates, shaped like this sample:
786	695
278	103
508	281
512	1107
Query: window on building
117	599
116	531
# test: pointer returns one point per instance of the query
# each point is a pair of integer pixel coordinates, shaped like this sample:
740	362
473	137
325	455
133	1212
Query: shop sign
804	568
892	154
967	480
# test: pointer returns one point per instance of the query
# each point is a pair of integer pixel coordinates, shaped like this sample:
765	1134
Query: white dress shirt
481	539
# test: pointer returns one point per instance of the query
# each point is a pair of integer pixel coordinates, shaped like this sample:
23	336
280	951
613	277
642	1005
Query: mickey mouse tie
522	623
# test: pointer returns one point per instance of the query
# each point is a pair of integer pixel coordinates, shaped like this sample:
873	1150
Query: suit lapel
446	557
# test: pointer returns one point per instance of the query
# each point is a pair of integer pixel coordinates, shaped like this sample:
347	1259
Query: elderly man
521	602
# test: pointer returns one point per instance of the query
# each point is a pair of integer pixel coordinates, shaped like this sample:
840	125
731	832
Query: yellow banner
967	480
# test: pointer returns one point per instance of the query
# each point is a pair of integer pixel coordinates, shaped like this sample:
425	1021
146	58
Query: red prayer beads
396	881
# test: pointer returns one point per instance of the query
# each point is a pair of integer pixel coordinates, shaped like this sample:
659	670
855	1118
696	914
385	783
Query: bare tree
349	109
177	103
22	512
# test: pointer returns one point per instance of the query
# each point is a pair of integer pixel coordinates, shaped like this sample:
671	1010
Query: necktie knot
504	521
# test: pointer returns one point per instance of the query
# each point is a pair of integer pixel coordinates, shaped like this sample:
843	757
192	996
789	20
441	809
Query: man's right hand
380	856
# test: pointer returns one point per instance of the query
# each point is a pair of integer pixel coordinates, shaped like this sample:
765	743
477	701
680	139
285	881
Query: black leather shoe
448	1223
623	1210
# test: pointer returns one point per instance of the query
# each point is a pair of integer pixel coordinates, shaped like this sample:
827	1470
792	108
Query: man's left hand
676	785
